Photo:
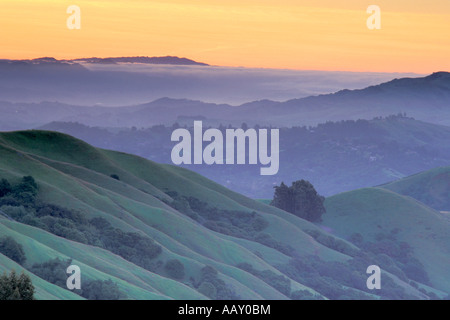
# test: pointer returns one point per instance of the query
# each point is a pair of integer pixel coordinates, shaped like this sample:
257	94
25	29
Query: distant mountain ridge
172	60
142	59
426	99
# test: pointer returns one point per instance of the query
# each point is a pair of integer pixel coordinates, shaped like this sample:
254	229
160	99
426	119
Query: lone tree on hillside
300	199
13	287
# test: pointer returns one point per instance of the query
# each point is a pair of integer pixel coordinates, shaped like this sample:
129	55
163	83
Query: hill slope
74	175
426	98
378	219
127	219
431	187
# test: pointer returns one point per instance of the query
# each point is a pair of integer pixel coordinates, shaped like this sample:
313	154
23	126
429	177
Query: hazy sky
301	34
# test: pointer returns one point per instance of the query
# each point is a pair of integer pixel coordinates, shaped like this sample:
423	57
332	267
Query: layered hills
194	239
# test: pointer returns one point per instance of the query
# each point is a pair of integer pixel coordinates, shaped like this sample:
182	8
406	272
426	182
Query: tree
15	287
26	191
301	199
283	198
5	187
13	250
25	287
27	184
53	271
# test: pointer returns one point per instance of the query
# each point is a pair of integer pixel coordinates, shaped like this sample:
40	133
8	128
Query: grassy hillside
431	187
126	219
380	217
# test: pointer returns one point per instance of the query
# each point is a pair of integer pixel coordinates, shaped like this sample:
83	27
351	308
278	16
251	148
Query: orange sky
302	34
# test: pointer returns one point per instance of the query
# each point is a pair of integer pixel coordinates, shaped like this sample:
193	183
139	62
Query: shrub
53	271
414	270
12	249
239	224
259	224
304	295
5	187
267	240
175	269
332	243
27	188
357	239
223	291
208	289
102	290
15	212
208	273
279	282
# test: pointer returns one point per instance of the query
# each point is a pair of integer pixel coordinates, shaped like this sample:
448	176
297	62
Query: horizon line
206	64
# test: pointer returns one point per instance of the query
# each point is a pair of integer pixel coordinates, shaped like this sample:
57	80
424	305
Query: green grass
43	289
372	211
430	187
75	175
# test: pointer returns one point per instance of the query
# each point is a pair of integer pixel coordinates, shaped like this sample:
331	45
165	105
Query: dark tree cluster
24	193
20	203
394	256
102	290
175	269
332	242
213	287
337	280
14	287
54	271
279	282
239	224
12	249
300	199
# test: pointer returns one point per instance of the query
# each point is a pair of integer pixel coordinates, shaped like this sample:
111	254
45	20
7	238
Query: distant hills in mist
335	157
172	60
137	80
159	231
426	99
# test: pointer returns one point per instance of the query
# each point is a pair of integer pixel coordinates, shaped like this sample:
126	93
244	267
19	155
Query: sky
280	34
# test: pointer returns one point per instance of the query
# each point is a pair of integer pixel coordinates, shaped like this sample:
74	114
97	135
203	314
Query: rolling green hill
430	187
126	219
377	219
